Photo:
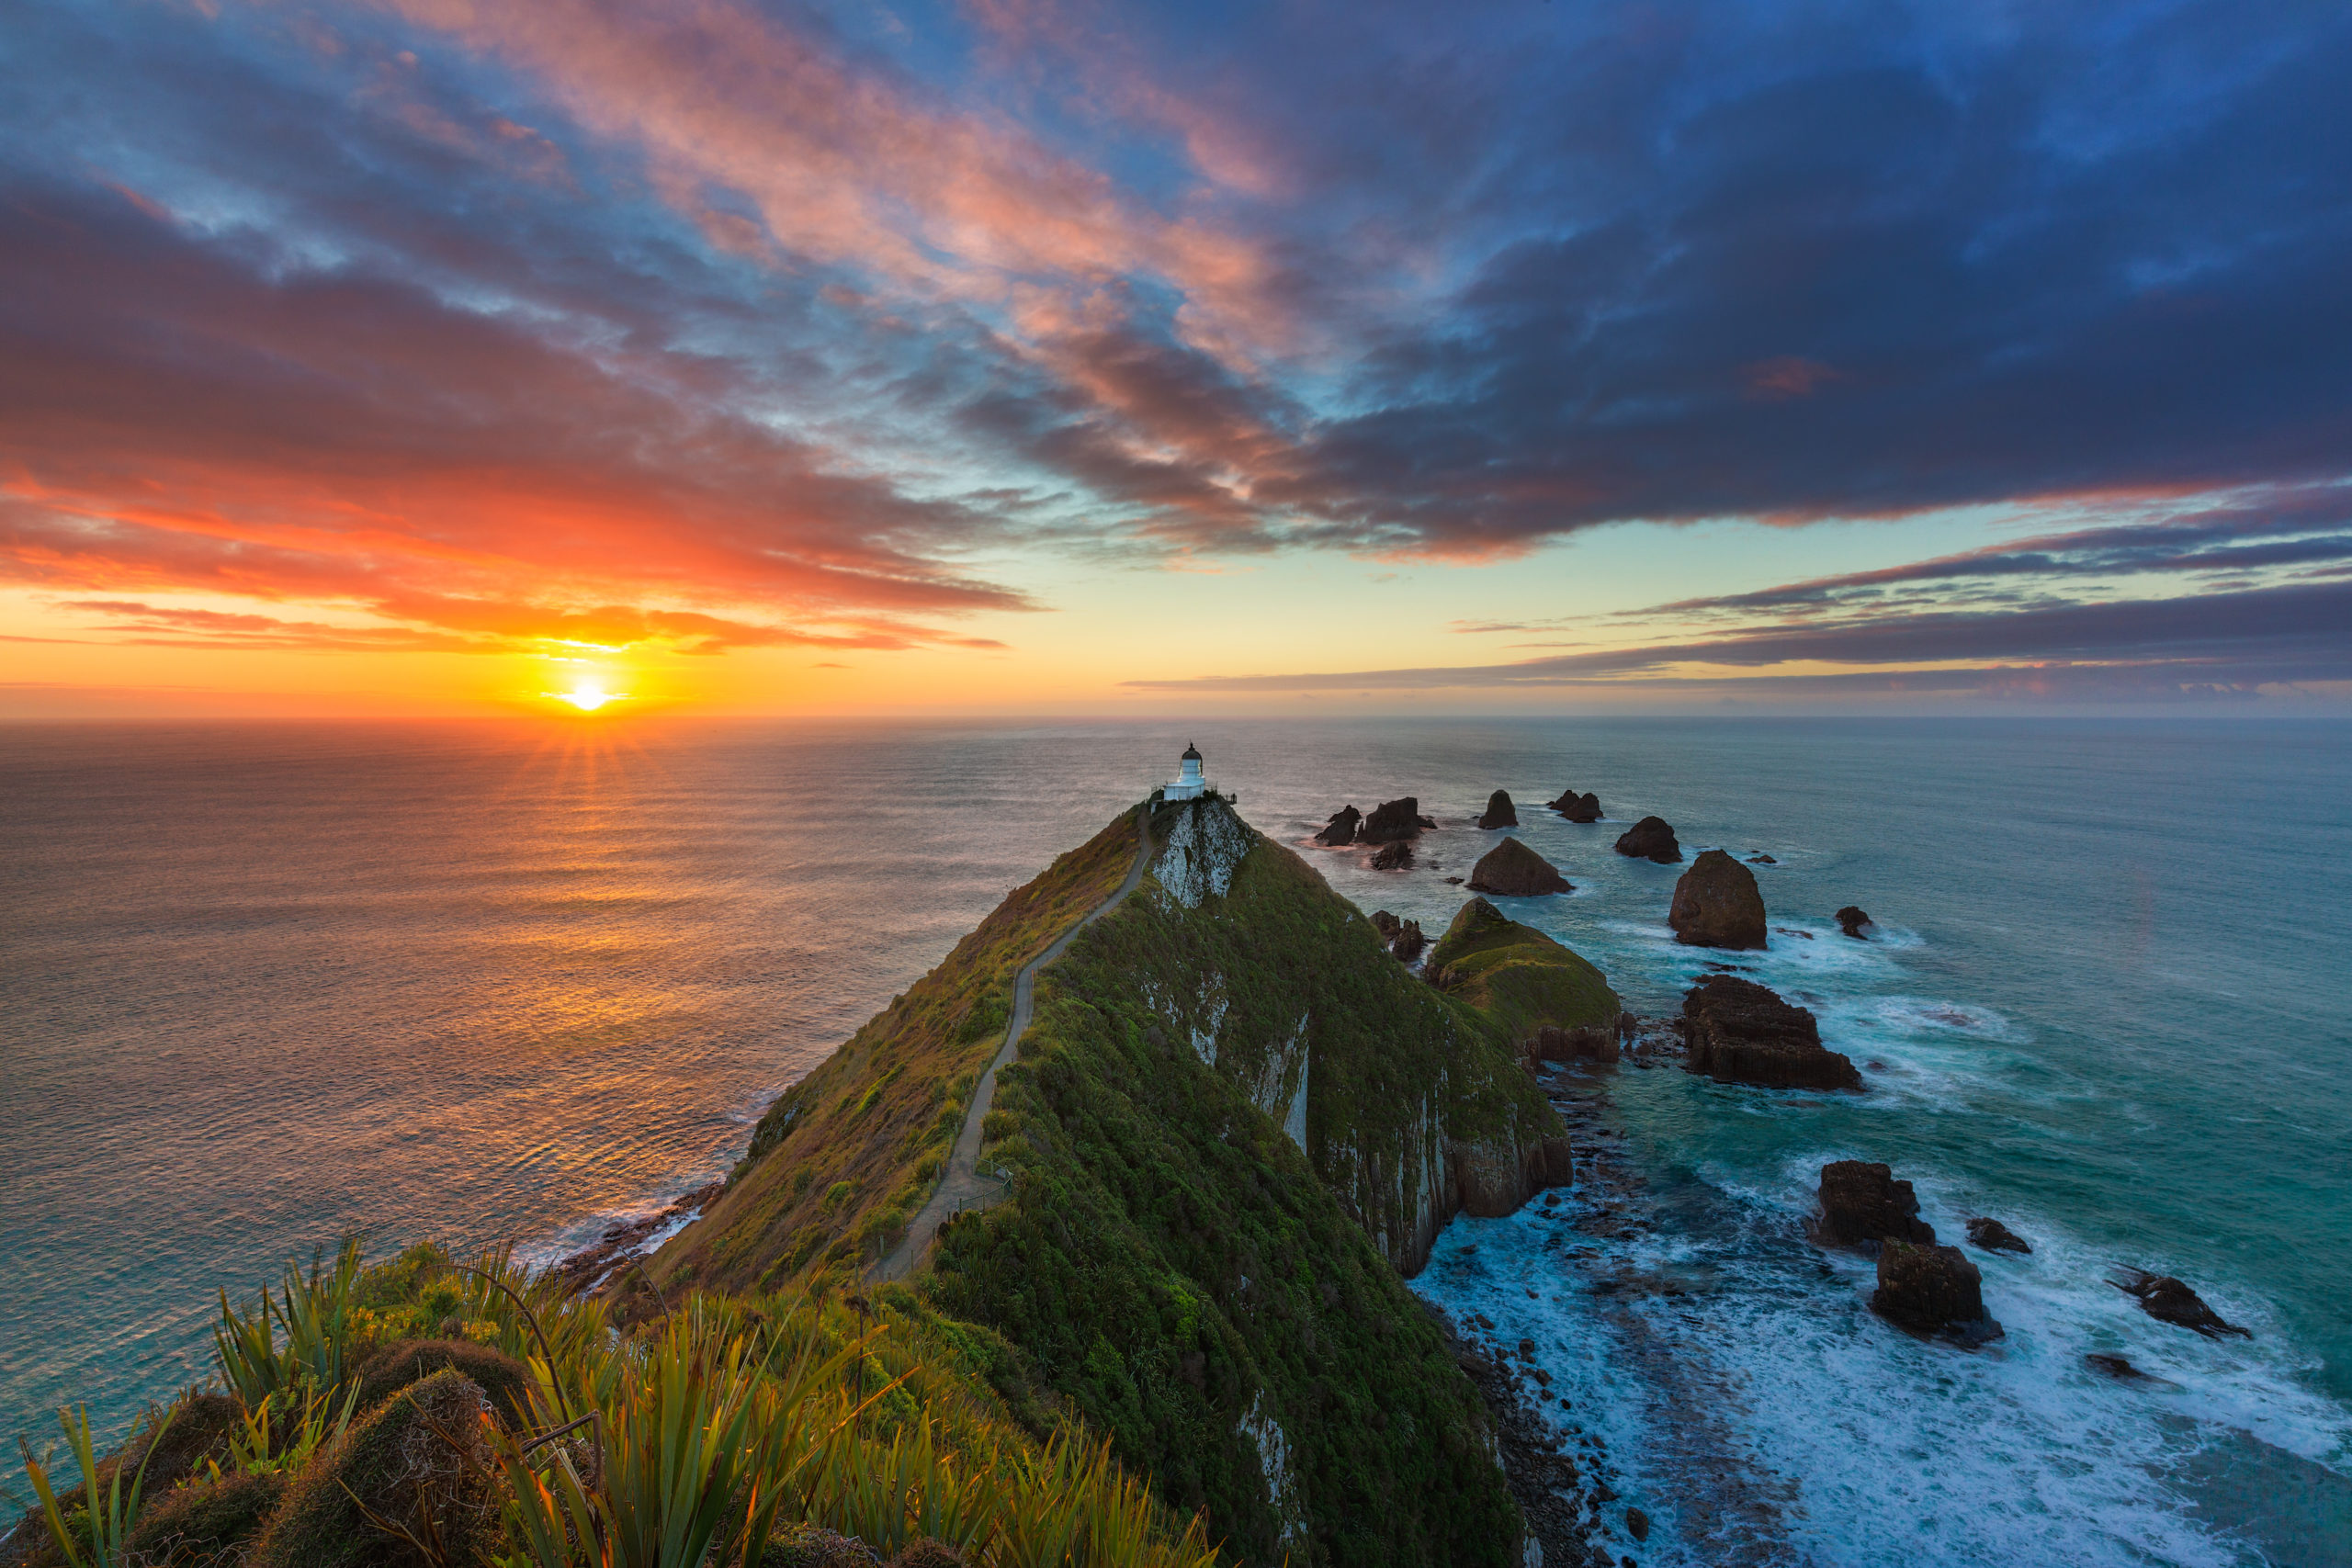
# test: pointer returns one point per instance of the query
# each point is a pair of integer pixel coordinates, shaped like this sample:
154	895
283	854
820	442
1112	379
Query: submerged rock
1651	839
2117	1368
1862	1206
1993	1236
1341	830
1393	820
1761	858
1513	871
1395	856
1577	807
1932	1290
1851	920
2166	1300
1716	904
1740	1032
1499	811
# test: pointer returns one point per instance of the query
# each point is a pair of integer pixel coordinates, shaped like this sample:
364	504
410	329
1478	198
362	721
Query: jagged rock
1393	820
1513	871
1407	943
2166	1300
1716	904
1577	807
1395	856
1931	1289
1652	838
1740	1032
1993	1236
1499	812
1851	920
1759	858
1341	830
1862	1206
1387	924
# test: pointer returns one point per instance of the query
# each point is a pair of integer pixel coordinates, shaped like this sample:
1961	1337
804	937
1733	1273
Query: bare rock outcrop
1863	1205
1499	812
1932	1290
1717	904
2166	1300
1511	870
1993	1236
1393	821
1577	807
1650	839
1341	830
1397	855
1740	1032
1851	920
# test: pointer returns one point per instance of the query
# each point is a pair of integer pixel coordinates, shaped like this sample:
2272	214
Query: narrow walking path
962	1185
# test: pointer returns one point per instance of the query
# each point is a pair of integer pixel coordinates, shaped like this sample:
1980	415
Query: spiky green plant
102	1538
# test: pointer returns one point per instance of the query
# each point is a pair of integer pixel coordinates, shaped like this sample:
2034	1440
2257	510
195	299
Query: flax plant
105	1526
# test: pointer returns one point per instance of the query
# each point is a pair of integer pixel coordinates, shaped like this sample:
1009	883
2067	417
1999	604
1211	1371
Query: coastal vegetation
422	1412
1235	1124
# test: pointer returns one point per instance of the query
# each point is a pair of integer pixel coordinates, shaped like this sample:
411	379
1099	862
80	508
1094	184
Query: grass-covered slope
1520	978
841	1160
1233	1116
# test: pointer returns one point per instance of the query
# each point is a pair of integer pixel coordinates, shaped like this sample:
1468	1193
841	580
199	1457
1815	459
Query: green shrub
506	1381
208	1524
414	1462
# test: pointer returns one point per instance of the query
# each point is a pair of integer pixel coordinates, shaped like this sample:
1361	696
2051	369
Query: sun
587	696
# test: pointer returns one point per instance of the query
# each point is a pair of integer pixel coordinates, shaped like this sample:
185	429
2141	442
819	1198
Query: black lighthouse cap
1192	754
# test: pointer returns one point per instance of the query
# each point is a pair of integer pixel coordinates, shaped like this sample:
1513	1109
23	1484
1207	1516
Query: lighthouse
1189	784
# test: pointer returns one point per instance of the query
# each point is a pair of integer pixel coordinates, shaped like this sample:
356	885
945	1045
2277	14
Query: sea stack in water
1577	807
1932	1290
1863	1205
2166	1300
1716	904
1391	821
1341	830
1513	871
1851	920
1499	812
1993	1236
1742	1033
1652	838
1394	856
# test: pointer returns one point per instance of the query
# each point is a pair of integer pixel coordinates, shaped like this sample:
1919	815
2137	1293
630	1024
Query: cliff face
1234	1122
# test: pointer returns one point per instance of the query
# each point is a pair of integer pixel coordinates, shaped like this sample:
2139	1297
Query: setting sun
588	696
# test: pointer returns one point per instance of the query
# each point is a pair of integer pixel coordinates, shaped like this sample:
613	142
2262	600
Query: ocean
264	984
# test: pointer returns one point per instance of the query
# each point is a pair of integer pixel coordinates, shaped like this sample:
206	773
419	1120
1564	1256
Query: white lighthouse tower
1189	784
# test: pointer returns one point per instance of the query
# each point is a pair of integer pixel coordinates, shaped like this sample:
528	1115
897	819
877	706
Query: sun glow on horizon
587	696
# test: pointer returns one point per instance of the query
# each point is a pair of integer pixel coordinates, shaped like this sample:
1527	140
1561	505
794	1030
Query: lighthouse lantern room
1189	784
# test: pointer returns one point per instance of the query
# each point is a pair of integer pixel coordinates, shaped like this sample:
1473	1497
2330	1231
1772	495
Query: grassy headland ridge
1234	1126
1517	976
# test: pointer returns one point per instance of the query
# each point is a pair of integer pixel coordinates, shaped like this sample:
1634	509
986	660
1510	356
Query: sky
449	357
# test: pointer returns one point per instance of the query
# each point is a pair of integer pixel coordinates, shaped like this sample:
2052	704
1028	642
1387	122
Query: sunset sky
435	357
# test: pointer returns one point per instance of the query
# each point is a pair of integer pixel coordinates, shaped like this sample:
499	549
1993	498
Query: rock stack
1851	920
1577	807
1511	870
1652	838
1932	1290
1716	904
1742	1033
1499	812
1341	830
1862	1206
1393	821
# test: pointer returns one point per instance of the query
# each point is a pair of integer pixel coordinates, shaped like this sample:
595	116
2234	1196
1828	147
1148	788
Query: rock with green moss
418	1460
207	1524
506	1381
1525	982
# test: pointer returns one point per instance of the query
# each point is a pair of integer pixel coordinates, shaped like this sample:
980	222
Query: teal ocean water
263	983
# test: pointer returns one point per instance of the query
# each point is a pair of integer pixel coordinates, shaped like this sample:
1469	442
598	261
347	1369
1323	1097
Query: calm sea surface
264	984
